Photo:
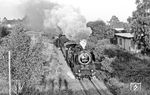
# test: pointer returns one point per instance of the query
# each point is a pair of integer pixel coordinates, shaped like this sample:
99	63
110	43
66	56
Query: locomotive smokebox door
84	58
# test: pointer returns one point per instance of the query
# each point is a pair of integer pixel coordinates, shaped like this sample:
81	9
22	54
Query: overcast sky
91	9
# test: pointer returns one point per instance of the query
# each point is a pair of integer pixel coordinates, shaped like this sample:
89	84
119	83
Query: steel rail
84	90
95	87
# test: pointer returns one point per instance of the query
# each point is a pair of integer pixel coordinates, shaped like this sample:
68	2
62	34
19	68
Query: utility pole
9	65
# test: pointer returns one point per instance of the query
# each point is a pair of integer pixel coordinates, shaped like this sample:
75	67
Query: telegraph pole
9	65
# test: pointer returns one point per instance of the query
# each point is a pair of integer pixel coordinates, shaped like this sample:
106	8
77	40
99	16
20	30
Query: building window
120	40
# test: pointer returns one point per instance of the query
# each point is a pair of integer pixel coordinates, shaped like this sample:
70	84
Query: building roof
119	29
127	35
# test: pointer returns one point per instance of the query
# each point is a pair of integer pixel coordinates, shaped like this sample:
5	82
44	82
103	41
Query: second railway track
84	90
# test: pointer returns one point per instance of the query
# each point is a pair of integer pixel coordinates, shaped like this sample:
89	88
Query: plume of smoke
72	23
47	16
34	12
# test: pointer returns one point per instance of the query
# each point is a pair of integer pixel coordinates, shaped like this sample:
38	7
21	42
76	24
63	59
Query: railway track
84	90
96	88
106	92
93	84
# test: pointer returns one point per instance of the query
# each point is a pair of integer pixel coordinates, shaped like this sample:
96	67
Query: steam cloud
48	16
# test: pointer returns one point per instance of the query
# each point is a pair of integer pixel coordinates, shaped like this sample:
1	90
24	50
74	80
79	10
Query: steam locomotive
79	59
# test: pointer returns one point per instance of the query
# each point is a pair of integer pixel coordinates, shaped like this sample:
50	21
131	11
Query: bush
129	68
114	90
100	48
3	31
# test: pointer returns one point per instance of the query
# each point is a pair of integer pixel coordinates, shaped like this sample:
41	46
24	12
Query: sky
90	9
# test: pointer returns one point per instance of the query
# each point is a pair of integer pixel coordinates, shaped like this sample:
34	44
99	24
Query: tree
94	25
99	29
4	20
114	19
140	24
3	31
116	23
26	61
129	19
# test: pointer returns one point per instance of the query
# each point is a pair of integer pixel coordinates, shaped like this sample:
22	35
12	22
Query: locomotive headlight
92	70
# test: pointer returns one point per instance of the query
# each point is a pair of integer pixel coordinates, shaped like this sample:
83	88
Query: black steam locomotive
81	61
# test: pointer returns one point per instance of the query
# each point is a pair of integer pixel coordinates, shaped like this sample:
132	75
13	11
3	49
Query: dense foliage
3	31
26	61
99	31
140	22
129	68
116	23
